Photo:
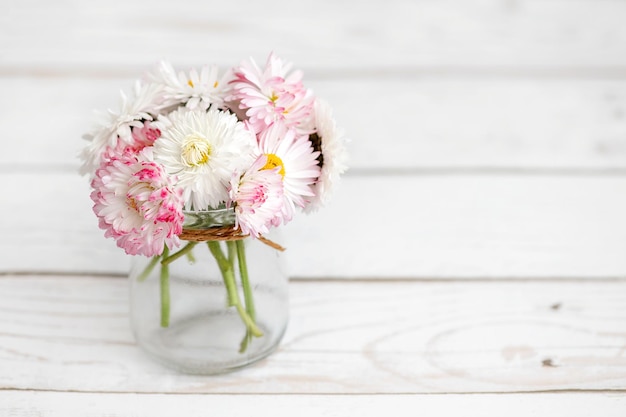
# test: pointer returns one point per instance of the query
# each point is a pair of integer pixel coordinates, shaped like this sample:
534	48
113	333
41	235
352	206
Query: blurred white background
488	137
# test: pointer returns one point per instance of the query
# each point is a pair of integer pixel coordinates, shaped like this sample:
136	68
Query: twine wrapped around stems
224	233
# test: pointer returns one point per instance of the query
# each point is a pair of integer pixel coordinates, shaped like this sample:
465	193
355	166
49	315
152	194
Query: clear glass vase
211	306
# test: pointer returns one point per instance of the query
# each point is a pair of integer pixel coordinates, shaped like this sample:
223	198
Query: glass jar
216	304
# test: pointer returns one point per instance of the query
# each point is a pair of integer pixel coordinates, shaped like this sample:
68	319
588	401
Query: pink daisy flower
141	137
271	94
290	151
137	204
257	196
115	128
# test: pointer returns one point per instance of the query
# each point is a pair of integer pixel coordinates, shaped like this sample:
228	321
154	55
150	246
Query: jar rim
209	211
206	219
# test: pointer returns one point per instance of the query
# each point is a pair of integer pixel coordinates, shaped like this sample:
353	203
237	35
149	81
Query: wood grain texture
488	142
72	334
411	124
115	36
53	404
404	226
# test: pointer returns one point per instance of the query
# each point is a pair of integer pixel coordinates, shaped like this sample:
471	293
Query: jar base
208	344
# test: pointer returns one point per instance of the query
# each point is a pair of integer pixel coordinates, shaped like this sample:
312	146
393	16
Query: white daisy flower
195	90
330	141
203	149
115	127
286	148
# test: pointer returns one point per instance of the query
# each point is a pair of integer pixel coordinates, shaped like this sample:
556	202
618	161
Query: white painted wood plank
117	35
52	404
393	226
412	124
72	334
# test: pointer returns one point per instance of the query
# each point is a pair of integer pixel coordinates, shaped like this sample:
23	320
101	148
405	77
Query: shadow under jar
217	303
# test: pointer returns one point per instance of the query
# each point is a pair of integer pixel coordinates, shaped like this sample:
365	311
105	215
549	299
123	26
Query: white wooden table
473	261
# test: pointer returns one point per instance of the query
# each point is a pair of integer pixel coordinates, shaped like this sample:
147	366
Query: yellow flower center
196	150
274	161
273	97
190	83
132	203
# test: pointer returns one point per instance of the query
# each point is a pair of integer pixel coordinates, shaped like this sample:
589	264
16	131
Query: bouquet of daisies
254	139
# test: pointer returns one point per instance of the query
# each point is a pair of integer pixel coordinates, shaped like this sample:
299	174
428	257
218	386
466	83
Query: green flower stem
228	274
185	250
245	280
250	324
149	268
165	291
245	341
232	253
247	291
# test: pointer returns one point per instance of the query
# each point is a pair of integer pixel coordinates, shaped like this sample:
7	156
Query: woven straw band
227	233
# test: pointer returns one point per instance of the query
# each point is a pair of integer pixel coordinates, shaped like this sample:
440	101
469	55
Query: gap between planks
469	171
352	280
564	391
490	72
